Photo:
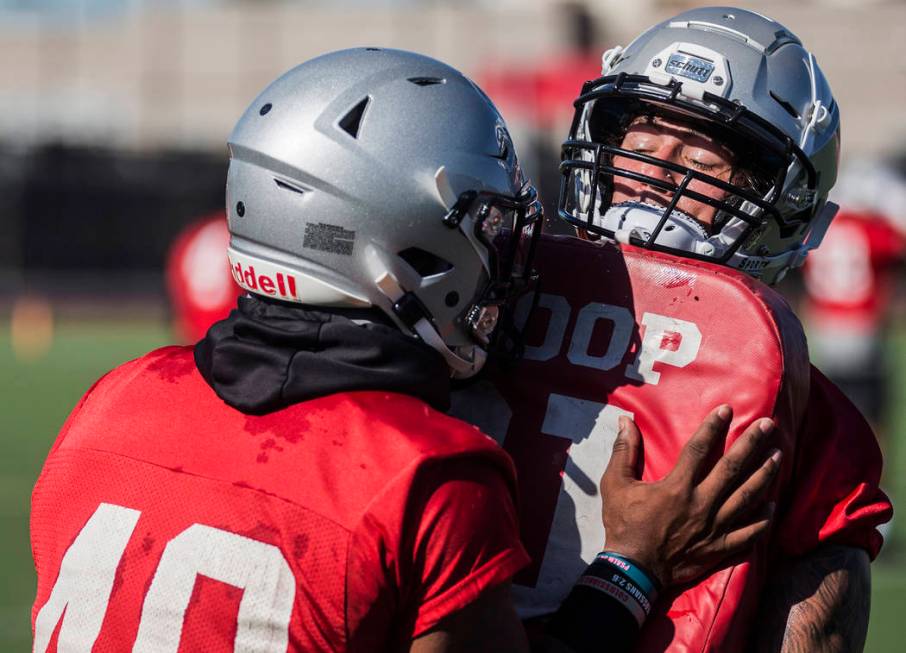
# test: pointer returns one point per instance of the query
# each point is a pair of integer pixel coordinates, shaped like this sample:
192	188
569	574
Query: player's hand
687	523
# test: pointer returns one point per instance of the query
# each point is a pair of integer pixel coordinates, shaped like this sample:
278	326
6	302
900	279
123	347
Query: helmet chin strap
680	231
460	367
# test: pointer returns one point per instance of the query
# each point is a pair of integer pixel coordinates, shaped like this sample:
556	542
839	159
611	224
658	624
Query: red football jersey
542	95
199	283
165	520
849	278
665	340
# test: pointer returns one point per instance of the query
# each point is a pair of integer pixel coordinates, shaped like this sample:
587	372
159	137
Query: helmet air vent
352	121
425	263
789	108
285	185
427	81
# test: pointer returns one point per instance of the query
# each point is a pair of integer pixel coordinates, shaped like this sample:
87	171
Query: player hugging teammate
292	482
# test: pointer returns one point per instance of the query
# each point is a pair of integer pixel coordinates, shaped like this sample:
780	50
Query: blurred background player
199	284
850	285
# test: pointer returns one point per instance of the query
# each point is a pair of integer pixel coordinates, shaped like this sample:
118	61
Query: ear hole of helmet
425	263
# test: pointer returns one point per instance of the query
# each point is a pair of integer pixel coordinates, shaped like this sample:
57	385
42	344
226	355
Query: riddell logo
282	285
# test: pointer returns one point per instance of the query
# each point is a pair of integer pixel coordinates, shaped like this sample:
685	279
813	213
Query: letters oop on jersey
663	340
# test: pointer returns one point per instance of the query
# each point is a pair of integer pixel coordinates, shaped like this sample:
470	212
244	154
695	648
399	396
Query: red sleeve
429	545
834	495
887	243
466	542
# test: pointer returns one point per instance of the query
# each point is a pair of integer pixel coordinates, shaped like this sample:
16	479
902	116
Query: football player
706	151
849	286
290	483
199	285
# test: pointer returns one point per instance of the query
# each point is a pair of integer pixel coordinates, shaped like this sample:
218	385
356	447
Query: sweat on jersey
167	520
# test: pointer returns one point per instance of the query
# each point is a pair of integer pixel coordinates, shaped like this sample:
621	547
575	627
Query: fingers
693	456
729	470
708	557
742	538
750	494
624	463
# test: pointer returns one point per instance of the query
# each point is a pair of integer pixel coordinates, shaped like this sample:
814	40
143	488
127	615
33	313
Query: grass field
36	397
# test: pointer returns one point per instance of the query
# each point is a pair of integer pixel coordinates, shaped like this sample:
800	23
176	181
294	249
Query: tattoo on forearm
820	604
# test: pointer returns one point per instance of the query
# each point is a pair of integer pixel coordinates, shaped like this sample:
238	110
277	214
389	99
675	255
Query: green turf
888	605
889	572
37	396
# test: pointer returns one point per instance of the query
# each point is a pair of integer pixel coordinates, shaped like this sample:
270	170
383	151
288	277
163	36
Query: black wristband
591	621
640	576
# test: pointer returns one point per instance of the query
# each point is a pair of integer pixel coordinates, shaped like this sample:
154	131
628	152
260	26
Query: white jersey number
590	426
82	591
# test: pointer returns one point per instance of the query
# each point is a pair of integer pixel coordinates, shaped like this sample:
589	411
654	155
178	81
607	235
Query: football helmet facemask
740	79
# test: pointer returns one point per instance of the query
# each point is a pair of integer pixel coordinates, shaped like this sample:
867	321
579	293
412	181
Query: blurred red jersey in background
199	283
849	285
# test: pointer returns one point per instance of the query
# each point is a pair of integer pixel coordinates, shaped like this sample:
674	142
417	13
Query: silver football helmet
745	81
376	177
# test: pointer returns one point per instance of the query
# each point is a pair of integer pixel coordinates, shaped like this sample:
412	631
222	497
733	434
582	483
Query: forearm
487	625
819	604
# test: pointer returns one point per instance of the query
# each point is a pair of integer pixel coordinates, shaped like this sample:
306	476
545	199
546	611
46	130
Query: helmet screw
718	81
240	209
452	298
656	63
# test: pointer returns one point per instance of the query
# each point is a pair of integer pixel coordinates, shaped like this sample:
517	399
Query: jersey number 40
82	591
